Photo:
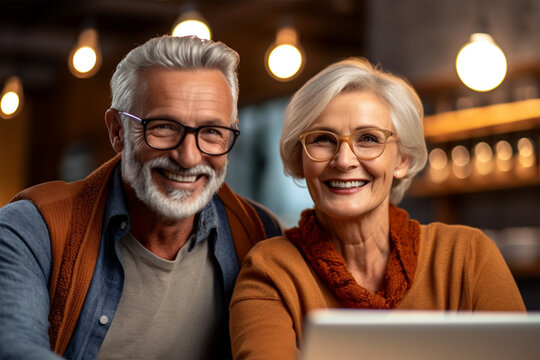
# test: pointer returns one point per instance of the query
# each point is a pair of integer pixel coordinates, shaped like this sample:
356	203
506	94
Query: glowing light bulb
284	58
84	59
285	61
11	98
9	103
192	27
481	64
192	23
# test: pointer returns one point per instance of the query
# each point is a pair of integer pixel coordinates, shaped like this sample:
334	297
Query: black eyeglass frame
344	139
188	129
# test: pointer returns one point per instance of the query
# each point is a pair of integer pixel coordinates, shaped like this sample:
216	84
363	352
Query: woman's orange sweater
459	268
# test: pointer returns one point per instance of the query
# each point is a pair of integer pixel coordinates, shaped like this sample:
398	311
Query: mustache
166	163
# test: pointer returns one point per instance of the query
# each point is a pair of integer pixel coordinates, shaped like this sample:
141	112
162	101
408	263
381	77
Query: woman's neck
364	244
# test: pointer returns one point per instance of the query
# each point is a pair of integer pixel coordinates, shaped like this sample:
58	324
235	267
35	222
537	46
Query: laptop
333	334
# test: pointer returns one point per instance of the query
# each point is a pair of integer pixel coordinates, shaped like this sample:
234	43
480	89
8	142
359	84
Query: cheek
311	168
218	163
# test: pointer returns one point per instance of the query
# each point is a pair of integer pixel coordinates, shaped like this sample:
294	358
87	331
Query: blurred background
483	168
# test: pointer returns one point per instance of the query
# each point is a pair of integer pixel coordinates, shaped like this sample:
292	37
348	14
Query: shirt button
123	225
103	320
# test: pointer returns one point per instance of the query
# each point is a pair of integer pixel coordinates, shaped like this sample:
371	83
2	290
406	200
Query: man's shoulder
49	192
22	220
239	205
16	210
271	222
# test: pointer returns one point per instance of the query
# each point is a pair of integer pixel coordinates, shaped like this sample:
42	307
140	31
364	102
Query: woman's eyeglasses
366	144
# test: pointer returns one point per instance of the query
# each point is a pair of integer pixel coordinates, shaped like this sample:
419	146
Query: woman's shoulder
274	256
457	237
277	246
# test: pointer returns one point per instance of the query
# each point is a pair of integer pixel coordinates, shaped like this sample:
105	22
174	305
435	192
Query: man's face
176	183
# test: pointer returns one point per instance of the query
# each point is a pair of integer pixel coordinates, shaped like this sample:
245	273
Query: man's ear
116	132
401	169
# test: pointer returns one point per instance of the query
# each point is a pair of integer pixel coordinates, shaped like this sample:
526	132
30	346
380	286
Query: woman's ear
403	165
116	132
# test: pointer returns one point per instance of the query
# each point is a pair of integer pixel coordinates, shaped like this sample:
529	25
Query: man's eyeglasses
366	144
163	134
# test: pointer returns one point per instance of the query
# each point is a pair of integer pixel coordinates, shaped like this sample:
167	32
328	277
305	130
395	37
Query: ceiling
415	38
36	37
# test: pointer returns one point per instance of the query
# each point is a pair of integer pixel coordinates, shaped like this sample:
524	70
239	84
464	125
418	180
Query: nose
187	154
345	158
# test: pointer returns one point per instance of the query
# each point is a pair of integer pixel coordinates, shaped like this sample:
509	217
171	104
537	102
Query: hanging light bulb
481	64
192	23
284	58
85	58
11	99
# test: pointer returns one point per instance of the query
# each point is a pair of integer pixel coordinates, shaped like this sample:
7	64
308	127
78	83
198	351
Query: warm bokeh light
460	155
11	98
194	27
481	64
526	156
504	153
285	58
438	169
285	61
525	147
483	152
438	159
9	103
461	162
483	156
84	59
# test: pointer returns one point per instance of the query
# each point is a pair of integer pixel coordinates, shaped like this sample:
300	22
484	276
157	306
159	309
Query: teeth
346	184
180	178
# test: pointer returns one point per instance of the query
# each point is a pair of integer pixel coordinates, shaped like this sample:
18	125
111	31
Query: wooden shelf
423	186
482	121
477	123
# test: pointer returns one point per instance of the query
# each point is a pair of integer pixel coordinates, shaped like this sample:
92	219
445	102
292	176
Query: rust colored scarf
321	254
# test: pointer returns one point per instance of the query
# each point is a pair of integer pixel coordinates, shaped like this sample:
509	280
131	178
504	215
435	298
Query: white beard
176	203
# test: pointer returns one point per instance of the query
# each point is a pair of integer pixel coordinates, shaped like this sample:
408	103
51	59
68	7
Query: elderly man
138	260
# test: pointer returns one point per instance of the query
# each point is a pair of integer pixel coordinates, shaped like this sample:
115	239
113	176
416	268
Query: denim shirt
25	266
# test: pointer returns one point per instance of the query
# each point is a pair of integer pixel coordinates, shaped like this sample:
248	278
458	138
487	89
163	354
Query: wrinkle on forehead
180	93
353	110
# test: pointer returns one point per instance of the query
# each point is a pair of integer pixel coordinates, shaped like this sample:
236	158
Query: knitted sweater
458	268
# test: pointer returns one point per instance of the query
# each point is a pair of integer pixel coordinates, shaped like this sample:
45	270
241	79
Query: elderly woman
354	133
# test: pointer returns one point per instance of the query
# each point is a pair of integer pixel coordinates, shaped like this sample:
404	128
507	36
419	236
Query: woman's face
345	186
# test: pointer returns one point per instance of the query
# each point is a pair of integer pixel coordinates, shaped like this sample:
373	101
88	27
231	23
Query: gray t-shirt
168	309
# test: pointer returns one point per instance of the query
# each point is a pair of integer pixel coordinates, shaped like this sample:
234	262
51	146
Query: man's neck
161	236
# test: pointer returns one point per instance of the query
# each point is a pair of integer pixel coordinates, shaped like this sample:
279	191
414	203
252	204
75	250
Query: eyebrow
326	128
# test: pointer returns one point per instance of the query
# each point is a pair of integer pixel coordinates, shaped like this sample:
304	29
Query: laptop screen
399	334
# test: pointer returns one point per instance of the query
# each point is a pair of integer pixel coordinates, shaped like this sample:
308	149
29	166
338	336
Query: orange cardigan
459	268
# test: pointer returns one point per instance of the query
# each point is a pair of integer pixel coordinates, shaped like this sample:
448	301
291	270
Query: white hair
310	100
173	52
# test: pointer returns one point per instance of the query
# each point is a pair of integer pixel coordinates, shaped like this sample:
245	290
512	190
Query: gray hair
172	52
310	100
